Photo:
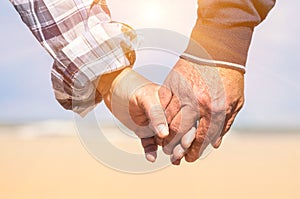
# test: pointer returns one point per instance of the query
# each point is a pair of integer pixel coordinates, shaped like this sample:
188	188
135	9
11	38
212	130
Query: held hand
135	102
205	96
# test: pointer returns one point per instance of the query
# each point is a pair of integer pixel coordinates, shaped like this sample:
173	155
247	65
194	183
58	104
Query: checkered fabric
83	42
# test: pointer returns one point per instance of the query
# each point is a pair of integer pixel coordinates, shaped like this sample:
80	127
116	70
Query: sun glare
152	12
167	14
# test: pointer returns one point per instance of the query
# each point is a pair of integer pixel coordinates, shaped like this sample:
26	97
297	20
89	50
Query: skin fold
208	96
195	107
134	101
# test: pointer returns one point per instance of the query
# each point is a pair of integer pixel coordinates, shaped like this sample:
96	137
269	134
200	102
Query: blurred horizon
47	152
272	78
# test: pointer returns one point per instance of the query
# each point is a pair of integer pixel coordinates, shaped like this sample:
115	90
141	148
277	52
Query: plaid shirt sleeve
83	42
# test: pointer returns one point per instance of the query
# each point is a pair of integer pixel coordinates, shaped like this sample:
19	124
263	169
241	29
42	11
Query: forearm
224	28
84	43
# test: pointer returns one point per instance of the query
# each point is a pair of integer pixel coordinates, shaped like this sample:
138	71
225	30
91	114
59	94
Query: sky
272	78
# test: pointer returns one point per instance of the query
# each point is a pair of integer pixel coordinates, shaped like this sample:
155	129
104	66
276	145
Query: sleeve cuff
102	49
80	100
84	60
224	28
224	44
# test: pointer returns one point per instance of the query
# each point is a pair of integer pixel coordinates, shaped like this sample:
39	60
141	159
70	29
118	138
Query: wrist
107	81
220	43
120	86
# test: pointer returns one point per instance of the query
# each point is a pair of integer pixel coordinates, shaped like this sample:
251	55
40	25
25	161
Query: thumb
156	114
158	121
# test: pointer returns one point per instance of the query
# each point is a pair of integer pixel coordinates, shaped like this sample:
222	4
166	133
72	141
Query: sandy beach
248	165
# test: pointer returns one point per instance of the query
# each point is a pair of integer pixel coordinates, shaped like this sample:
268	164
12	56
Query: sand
248	165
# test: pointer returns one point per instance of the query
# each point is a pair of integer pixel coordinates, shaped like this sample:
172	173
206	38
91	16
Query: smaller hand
135	102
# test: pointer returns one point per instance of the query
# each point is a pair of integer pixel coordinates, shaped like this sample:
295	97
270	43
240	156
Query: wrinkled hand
134	101
203	107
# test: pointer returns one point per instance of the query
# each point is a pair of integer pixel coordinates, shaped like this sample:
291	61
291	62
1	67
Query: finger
167	146
229	122
180	149
218	142
172	109
150	148
209	129
176	162
151	156
227	125
159	141
183	122
158	121
215	127
174	106
156	115
200	142
178	153
165	96
188	138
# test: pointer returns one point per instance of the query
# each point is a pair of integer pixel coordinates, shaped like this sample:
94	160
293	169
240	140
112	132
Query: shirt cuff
85	59
224	29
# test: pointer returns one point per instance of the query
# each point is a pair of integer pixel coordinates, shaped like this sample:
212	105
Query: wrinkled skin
206	96
200	105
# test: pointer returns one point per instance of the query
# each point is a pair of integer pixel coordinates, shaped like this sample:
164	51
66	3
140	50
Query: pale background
42	157
272	79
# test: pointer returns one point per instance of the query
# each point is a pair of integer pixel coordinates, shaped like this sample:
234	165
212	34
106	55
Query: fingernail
163	130
151	156
178	152
176	162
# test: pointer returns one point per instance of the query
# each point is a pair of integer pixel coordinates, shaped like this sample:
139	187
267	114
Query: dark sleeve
224	28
